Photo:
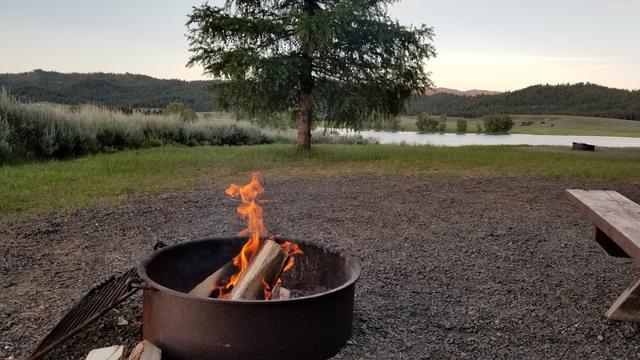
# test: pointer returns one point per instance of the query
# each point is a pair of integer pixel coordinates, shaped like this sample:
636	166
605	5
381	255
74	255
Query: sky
481	44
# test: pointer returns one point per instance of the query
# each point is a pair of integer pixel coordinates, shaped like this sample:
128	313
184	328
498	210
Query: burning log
253	273
264	269
213	281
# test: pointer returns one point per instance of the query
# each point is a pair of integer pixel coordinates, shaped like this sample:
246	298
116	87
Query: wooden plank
613	214
108	353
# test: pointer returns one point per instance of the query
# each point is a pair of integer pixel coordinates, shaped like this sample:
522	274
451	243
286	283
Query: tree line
124	91
114	90
582	99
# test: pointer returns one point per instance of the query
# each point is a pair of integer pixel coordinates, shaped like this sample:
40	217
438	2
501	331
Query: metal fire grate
94	304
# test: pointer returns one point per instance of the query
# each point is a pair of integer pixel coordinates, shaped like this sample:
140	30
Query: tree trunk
305	115
305	107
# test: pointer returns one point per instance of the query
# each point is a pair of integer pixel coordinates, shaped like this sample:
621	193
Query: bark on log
213	281
266	265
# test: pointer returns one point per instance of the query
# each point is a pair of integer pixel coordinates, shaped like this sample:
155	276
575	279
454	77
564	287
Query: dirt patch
452	268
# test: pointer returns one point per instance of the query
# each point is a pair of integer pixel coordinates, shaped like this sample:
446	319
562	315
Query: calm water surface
414	138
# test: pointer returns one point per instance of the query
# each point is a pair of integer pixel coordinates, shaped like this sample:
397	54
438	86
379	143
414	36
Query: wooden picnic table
616	222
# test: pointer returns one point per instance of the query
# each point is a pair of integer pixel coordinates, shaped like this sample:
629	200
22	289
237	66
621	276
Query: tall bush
497	124
4	139
426	124
180	109
461	126
442	123
53	131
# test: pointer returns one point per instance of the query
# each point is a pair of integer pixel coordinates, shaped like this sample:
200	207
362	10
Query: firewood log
145	350
206	286
107	353
266	266
137	351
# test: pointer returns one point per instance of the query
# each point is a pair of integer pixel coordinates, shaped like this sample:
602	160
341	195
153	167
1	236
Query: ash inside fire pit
314	324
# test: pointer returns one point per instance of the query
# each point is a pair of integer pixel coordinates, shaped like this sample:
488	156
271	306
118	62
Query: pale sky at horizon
481	44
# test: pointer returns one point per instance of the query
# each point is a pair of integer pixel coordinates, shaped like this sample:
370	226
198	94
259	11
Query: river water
413	138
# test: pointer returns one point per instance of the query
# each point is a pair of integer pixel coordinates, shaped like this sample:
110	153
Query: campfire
254	273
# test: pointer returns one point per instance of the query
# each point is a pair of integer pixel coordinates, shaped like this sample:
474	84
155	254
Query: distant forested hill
140	91
577	99
136	91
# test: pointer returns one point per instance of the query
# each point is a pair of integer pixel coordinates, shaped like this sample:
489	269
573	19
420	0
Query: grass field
551	125
109	178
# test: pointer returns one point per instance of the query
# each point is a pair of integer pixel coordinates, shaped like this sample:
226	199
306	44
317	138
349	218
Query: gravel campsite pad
452	267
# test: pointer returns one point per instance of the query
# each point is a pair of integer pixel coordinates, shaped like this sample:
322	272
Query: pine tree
343	62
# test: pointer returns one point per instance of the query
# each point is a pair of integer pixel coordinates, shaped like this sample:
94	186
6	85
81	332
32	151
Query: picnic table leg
627	306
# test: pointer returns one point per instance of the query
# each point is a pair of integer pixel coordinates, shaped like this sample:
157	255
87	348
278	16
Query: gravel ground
452	267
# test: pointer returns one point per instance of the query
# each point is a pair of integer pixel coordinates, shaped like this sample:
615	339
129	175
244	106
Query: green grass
109	178
550	125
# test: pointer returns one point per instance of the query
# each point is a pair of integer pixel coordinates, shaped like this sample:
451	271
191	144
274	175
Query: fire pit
225	298
313	324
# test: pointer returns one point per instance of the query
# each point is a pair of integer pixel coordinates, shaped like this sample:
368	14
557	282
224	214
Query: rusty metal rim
149	284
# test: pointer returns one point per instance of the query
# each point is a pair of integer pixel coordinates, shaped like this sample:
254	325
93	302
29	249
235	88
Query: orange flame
290	249
252	212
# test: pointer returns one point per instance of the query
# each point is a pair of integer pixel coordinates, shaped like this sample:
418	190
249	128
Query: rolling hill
140	91
119	90
582	99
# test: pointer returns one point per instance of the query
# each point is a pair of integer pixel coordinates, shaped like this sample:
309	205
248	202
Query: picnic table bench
616	220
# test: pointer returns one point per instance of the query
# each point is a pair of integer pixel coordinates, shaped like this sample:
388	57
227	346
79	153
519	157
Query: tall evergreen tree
341	61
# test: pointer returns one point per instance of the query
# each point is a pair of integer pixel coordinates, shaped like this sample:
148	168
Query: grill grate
94	304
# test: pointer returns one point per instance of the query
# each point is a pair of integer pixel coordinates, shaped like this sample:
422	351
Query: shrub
442	124
426	124
4	139
479	128
461	126
381	123
346	139
393	124
185	112
53	131
497	124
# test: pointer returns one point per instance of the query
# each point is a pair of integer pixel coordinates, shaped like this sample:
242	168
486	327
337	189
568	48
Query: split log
213	281
137	351
145	350
109	353
266	266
